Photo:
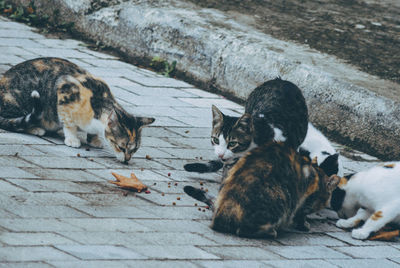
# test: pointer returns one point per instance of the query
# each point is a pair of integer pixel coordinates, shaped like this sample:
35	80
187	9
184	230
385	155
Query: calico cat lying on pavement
275	110
47	94
270	188
371	196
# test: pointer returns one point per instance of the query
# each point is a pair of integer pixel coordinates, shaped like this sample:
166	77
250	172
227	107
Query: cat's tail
22	123
211	166
200	195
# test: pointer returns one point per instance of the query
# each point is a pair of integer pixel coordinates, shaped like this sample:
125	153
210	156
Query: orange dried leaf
128	182
30	10
385	235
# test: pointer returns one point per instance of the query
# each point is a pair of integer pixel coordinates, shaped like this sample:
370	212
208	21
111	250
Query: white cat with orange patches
372	196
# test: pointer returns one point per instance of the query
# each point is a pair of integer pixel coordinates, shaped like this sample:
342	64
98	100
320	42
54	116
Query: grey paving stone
233	240
99	252
182	153
241	252
89	264
181	175
17	138
176	226
207	103
37	225
50	186
168	239
155	153
18	42
34	211
8	187
363	263
307	252
62	162
13	172
159	101
108	63
200	143
32	254
33	239
115	211
105	238
21	33
192	132
231	263
59	43
19	149
371	252
13	161
23	53
194	122
124	198
106	224
158	132
175	212
173	252
301	263
150	111
45	198
59	52
7	24
65	174
163	82
62	150
163	121
303	239
156	142
172	163
159	91
201	93
37	264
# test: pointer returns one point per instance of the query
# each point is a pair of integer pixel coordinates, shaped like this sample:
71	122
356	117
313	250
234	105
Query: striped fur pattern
49	94
275	111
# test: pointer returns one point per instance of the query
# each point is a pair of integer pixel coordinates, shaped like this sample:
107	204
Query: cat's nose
221	156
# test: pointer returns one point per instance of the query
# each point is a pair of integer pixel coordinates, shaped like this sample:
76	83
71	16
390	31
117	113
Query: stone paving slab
58	210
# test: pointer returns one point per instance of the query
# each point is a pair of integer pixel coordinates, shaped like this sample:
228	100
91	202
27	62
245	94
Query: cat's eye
215	140
232	144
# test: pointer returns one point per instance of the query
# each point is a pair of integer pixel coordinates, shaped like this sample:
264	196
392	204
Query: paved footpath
58	210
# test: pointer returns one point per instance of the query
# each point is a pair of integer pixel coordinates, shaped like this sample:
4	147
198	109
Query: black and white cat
371	196
275	111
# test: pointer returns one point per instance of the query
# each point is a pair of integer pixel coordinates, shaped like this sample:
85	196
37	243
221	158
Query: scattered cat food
132	183
162	194
148	157
169	174
204	210
201	183
201	158
199	209
169	183
173	203
155	183
125	193
187	131
141	169
87	149
91	159
206	190
207	207
176	184
195	204
169	186
78	155
147	192
178	198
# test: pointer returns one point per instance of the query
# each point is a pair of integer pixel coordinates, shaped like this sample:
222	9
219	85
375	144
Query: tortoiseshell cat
47	94
275	110
270	188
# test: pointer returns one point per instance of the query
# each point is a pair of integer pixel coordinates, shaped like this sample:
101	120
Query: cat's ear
332	182
144	121
244	123
331	164
217	115
113	120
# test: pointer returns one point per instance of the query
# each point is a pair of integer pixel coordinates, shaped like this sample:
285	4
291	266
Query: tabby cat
275	110
270	188
47	94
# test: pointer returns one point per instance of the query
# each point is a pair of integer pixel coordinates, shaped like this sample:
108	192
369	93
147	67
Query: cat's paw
95	142
342	223
72	142
360	233
37	131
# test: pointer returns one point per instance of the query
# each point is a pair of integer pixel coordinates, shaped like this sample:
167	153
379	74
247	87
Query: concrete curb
224	52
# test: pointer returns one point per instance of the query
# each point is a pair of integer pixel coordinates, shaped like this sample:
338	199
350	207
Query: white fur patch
35	94
278	134
377	191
